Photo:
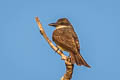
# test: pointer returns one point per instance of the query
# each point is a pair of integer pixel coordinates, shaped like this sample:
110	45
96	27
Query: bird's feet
58	49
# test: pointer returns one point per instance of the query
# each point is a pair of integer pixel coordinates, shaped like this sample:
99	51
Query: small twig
69	65
47	39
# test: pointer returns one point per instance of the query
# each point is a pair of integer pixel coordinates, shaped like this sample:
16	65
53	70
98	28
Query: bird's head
61	22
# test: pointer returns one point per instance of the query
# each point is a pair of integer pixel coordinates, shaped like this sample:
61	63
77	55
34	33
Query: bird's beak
53	24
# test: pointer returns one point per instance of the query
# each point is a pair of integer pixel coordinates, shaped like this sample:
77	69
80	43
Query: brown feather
68	40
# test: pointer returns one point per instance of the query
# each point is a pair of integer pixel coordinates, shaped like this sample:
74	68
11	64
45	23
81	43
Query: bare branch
69	70
69	65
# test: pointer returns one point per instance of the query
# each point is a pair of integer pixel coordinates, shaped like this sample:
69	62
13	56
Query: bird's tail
78	59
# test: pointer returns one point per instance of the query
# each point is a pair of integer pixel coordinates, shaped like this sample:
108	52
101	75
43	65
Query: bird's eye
61	23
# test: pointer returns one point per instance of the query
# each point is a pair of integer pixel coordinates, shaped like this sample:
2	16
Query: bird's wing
76	41
66	39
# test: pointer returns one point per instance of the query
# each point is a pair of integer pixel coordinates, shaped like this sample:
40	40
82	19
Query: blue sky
25	55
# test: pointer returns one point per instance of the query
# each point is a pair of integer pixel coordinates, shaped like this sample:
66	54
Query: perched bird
66	39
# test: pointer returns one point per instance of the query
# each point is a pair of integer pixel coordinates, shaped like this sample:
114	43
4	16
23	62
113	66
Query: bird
66	39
